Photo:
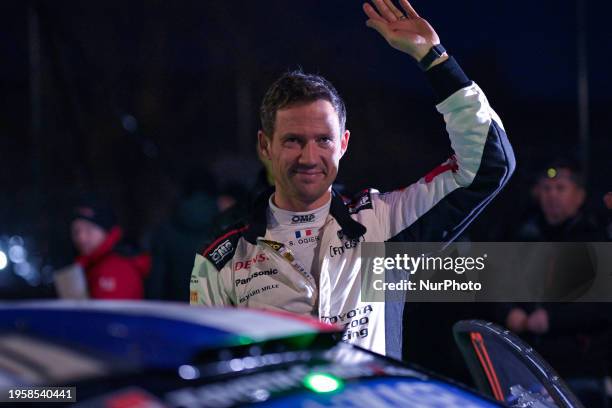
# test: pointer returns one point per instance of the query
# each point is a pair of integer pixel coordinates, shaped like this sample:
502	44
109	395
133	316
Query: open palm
404	30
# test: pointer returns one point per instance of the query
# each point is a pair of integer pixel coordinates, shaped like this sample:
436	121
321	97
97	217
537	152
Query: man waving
299	250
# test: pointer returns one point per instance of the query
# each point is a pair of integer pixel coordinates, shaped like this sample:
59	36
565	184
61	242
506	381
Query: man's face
304	153
86	236
560	197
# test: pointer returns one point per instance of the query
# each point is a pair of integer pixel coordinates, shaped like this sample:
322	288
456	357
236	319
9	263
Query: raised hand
404	30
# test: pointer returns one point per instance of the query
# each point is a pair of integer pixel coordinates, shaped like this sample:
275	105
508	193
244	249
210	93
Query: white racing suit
243	268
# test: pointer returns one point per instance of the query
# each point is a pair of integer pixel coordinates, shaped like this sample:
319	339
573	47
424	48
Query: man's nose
309	153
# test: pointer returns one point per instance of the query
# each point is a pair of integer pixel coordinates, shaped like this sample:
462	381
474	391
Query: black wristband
447	78
434	53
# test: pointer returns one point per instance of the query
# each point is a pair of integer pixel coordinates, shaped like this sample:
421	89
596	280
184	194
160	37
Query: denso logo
300	219
248	263
221	251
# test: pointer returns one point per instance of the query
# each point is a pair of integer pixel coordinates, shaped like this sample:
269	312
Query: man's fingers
396	12
371	13
384	11
408	9
380	26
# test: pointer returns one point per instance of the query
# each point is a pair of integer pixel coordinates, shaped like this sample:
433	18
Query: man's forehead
559	176
319	115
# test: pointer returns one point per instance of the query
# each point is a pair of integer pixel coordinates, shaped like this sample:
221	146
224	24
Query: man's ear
264	145
344	140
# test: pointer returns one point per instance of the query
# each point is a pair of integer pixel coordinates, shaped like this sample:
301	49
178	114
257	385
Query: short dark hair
296	87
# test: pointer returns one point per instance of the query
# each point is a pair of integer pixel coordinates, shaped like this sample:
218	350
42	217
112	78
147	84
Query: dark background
125	98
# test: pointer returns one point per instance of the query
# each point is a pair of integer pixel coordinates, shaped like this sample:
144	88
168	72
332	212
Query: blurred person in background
186	231
562	217
112	270
235	201
575	338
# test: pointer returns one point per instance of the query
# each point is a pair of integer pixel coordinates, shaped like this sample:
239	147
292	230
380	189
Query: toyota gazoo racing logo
301	219
221	251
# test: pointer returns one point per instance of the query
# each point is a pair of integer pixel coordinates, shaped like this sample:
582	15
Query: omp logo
300	219
250	262
221	251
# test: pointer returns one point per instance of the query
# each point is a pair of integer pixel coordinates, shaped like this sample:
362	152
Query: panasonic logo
255	275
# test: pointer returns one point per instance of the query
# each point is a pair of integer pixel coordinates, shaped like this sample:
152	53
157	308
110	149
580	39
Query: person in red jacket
110	273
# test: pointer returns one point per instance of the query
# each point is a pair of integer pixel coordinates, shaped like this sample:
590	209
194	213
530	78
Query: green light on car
322	383
243	340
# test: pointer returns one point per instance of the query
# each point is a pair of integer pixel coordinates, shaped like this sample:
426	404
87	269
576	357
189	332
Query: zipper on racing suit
280	252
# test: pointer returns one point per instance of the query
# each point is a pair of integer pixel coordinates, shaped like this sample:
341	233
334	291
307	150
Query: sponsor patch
303	233
354	322
301	219
223	250
269	272
248	263
346	245
362	201
256	292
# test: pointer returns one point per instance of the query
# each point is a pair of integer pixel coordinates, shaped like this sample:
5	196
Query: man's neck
290	204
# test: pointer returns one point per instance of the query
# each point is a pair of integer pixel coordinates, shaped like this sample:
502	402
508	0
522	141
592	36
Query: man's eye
325	139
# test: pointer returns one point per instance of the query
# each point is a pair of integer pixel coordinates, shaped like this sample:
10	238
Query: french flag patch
303	233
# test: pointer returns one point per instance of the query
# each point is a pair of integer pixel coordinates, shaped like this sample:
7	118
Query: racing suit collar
258	222
351	228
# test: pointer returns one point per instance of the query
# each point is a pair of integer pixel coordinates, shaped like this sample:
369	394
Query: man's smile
308	173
